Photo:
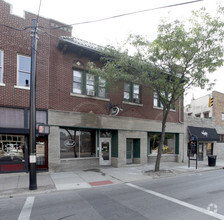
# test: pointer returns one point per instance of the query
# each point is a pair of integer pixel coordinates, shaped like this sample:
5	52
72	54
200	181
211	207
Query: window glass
168	147
12	147
77	143
127	90
136	92
222	116
24	65
90	82
102	88
77	81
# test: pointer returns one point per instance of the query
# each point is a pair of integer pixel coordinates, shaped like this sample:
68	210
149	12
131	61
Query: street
197	196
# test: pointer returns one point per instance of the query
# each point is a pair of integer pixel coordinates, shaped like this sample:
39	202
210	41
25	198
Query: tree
178	59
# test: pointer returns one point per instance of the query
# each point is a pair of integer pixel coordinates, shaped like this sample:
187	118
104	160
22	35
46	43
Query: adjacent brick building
90	124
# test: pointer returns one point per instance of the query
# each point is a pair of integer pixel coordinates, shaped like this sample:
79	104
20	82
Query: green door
129	151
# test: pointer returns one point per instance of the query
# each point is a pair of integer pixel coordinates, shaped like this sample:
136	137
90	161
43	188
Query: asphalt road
183	197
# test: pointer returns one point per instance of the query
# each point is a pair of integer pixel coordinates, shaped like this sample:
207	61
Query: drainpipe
181	122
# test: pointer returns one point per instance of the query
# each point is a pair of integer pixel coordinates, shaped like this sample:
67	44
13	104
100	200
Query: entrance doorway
129	151
132	151
105	151
42	153
200	152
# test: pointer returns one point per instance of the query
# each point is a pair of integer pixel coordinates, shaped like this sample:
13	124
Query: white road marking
27	208
179	202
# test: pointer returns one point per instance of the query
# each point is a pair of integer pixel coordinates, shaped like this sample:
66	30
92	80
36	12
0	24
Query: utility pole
32	147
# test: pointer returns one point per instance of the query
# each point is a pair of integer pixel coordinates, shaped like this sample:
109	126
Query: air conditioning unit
91	92
136	101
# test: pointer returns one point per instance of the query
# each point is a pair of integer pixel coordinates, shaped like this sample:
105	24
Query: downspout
181	122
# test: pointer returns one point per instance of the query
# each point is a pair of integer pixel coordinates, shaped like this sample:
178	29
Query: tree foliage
179	58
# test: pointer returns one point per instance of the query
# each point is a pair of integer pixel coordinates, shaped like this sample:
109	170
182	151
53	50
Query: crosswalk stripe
27	208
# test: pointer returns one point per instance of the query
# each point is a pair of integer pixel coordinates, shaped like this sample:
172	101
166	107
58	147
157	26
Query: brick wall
13	42
54	72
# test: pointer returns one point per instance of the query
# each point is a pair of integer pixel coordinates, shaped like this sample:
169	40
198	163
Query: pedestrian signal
210	102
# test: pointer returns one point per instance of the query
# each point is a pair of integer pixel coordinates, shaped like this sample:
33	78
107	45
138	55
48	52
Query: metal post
32	147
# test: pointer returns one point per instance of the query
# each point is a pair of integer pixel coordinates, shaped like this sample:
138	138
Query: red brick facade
54	72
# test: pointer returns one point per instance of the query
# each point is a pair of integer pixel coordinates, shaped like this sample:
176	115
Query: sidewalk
18	183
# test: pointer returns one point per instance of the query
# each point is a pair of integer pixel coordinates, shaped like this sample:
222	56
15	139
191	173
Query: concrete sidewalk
18	183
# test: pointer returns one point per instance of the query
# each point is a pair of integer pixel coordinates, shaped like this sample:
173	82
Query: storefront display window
168	147
77	143
12	147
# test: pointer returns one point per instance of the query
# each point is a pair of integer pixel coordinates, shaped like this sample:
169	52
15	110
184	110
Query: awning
204	134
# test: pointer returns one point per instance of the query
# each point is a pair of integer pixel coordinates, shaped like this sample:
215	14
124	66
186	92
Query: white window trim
132	103
17	81
22	87
1	79
90	97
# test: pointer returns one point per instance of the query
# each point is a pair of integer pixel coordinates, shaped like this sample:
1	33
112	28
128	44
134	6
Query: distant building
205	116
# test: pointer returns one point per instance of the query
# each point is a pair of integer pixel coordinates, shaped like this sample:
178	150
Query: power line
101	19
125	14
38	14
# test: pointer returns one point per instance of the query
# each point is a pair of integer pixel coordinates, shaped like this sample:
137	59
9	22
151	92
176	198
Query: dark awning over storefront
204	134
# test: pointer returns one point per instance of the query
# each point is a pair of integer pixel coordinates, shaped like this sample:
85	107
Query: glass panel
127	87
105	150
87	144
11	149
77	76
40	153
136	89
102	92
102	82
0	74
24	64
11	118
89	87
90	79
168	147
77	87
24	79
126	96
74	144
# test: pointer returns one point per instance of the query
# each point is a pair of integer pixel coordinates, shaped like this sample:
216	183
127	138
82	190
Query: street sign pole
32	147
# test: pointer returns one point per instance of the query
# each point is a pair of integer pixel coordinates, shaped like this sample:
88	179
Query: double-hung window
77	81
87	84
132	92
157	102
101	87
1	66
90	84
24	70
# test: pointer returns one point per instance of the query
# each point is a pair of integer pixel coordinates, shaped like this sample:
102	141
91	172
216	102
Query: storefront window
12	147
77	143
168	147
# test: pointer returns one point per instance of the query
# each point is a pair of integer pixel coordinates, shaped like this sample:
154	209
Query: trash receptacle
212	160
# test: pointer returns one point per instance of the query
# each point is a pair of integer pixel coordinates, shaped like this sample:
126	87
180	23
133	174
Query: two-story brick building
85	130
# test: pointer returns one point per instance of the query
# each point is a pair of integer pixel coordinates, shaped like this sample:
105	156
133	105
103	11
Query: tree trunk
162	138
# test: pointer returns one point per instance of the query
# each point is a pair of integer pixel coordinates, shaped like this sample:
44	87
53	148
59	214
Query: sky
113	31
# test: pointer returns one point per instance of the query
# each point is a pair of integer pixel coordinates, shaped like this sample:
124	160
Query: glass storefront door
41	153
105	151
200	152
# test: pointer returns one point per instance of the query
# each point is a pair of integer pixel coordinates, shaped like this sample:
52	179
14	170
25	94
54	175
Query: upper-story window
157	102
88	84
24	70
222	116
1	66
132	92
